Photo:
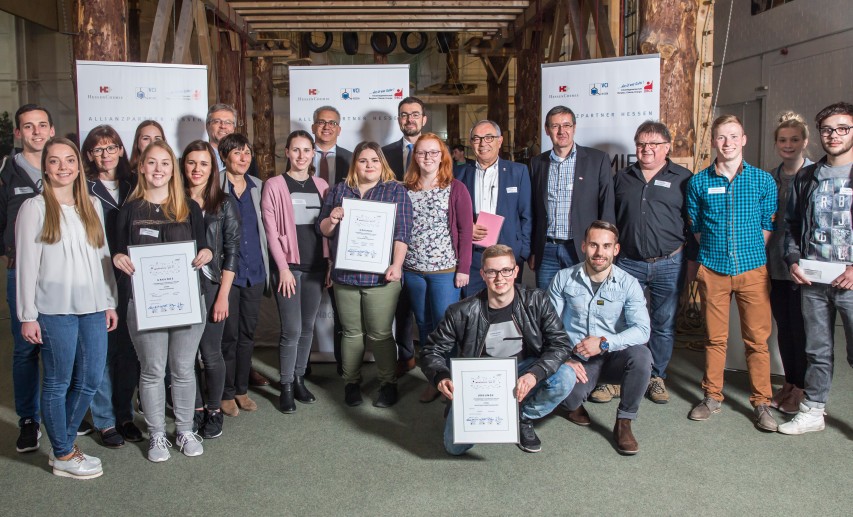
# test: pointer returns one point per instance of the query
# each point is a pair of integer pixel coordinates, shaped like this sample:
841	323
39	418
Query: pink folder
493	225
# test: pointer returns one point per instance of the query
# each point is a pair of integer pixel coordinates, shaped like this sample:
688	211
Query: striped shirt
732	217
561	185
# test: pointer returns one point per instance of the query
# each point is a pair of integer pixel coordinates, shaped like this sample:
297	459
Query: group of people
599	245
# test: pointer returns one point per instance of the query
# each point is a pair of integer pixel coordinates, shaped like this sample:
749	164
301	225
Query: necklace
300	183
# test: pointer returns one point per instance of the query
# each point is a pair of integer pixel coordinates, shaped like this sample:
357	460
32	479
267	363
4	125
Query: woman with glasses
438	260
66	315
158	211
110	181
146	132
291	204
366	302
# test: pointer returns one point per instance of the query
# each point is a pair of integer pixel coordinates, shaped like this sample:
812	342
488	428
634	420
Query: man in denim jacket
604	312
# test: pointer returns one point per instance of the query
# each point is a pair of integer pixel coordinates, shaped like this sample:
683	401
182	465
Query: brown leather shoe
229	407
579	416
404	365
429	394
256	379
245	403
791	404
625	441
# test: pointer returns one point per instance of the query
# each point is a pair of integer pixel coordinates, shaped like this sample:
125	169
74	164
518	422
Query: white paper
165	285
821	272
484	406
366	236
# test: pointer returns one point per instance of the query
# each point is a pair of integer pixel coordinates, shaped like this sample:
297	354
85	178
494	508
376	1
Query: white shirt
486	189
68	277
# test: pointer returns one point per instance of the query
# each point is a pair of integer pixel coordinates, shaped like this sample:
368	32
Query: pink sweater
279	224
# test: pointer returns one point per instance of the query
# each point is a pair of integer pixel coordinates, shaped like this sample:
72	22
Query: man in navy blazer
411	115
572	187
499	187
327	129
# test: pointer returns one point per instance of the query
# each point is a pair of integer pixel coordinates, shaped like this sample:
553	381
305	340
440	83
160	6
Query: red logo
105	89
196	95
398	94
649	87
312	91
563	89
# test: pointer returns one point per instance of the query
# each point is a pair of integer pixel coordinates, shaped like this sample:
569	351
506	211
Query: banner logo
146	92
649	87
398	94
312	91
562	89
350	94
104	89
598	89
636	87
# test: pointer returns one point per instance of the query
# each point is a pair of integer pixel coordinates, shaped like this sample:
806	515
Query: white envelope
821	272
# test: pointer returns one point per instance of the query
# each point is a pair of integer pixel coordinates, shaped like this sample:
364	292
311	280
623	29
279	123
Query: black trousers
238	337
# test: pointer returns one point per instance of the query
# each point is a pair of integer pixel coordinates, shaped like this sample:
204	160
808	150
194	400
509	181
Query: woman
158	211
67	315
146	132
223	236
439	257
366	302
791	138
290	205
110	181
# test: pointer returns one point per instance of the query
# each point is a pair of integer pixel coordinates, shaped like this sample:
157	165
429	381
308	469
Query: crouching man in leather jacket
506	320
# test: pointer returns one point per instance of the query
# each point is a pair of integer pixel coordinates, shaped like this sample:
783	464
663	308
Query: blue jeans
554	258
74	351
113	402
820	304
431	294
663	280
25	361
541	400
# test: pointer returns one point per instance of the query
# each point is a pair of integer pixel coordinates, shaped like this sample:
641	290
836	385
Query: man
819	228
604	312
20	179
457	152
498	187
731	206
331	161
221	122
652	219
572	187
506	320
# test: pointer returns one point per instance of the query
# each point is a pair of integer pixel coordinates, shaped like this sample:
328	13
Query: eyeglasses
488	139
432	154
505	272
827	131
415	115
564	127
649	145
221	122
330	123
110	149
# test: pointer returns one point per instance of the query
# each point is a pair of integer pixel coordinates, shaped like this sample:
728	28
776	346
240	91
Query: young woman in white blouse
66	299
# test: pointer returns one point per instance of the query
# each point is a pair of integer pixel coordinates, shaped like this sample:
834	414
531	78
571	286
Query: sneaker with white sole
190	444
77	467
158	448
808	420
51	458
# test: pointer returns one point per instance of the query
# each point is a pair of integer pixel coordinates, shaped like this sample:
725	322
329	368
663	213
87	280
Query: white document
821	272
165	285
366	236
484	406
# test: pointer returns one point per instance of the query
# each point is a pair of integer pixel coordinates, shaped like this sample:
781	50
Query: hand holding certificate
366	236
485	409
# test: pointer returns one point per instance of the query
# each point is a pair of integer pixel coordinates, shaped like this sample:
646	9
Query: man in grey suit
331	161
411	115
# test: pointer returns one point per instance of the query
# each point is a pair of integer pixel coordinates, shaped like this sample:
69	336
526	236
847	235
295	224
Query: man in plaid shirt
731	206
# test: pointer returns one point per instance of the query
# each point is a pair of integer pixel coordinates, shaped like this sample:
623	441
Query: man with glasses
506	320
652	219
411	116
820	228
331	161
221	122
498	187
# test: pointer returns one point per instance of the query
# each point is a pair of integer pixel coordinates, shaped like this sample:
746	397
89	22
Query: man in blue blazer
499	187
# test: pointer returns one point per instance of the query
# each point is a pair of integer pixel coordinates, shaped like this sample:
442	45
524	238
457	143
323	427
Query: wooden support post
452	76
160	31
557	33
205	51
134	51
602	27
181	46
578	26
101	30
231	77
262	116
528	101
497	81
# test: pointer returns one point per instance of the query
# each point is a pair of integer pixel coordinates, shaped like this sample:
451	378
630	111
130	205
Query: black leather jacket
465	324
223	237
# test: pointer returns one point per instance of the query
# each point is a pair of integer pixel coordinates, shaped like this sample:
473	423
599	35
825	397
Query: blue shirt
251	268
561	186
617	311
732	218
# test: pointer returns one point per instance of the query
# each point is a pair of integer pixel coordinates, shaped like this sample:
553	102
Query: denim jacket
617	311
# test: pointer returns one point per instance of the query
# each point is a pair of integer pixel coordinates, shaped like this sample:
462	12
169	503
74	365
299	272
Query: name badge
716	190
23	190
599	302
846	191
512	190
496	334
665	184
299	201
149	232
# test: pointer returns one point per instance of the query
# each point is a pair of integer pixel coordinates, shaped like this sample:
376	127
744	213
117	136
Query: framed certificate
366	236
484	406
165	285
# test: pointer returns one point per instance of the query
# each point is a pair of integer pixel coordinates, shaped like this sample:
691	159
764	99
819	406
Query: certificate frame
366	236
165	285
485	409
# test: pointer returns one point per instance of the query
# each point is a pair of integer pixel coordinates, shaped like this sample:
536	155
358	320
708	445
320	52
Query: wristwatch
604	345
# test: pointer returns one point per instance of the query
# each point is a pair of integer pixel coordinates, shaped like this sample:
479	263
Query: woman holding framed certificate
67	315
290	206
367	301
222	225
439	257
158	211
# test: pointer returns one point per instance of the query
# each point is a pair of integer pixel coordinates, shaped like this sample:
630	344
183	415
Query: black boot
285	400
301	393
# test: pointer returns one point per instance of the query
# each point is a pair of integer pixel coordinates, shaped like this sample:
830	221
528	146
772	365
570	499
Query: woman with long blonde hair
67	315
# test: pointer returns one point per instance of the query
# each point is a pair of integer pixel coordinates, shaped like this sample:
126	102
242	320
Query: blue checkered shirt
732	217
389	191
561	185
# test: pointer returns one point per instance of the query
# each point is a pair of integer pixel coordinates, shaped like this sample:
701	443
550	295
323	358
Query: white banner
610	98
366	95
124	94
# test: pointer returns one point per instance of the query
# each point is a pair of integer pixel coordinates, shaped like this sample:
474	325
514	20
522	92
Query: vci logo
349	93
598	88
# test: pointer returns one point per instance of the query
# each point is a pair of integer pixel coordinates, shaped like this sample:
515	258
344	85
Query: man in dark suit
498	187
411	115
331	161
572	187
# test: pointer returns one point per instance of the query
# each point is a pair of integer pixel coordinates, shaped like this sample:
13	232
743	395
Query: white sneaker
806	421
77	467
190	444
158	448
51	458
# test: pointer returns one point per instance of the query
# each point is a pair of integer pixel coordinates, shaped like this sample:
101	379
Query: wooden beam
160	31
577	24
365	19
270	53
434	26
225	12
602	27
377	4
262	116
205	50
299	11
430	98
181	47
557	33
614	10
